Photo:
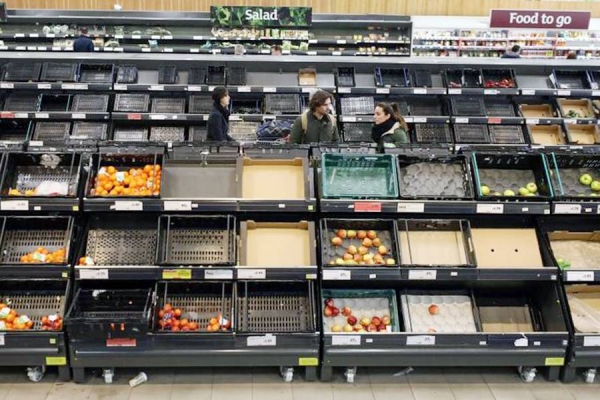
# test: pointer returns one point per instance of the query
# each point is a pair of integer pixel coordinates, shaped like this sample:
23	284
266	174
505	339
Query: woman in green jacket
390	129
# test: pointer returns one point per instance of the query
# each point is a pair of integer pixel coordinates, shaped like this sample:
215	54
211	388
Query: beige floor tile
347	391
109	392
507	391
427	376
69	390
154	392
588	392
386	376
4	389
232	375
29	391
552	392
433	392
312	391
465	376
384	391
194	376
271	375
471	391
187	391
237	391
272	391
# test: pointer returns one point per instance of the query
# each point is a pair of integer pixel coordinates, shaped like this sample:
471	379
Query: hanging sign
539	19
260	17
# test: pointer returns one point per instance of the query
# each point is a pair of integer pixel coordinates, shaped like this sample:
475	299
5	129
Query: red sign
367	207
535	19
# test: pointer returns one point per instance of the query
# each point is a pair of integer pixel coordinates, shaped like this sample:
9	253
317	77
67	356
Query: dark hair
83	30
218	93
276	48
318	99
572	55
393	110
516	48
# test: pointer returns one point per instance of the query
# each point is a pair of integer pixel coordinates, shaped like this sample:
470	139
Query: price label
244	89
344	90
146	50
158	117
267	340
267	89
461	120
567	208
14	205
7	114
5	85
67	86
85	273
42	115
157	87
168	37
80	86
311	53
454	91
50	35
564	92
136	36
265	51
109	49
194	50
491	92
336	53
155	37
36	143
120	87
411	207
216	51
42	48
591	341
44	86
530	121
308	361
382	91
119	36
422	275
6	48
421	340
245	273
128	205
307	90
2	340
56	361
336	275
494	120
521	342
235	118
554	361
197	38
167	50
177	205
56	48
31	48
596	93
490	208
19	35
570	121
349	119
182	273
194	88
134	116
580	276
420	91
345	340
218	274
528	92
340	41
79	116
367	207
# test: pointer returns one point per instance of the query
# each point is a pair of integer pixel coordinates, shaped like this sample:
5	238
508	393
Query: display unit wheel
108	374
527	374
287	373
35	374
590	375
350	374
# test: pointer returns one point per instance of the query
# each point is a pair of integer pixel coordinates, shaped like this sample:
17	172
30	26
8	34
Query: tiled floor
265	384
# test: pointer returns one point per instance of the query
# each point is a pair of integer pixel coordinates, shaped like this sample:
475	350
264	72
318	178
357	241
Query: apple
371	235
509	193
367	242
336	328
382	250
390	261
376	321
348	257
351	262
351	234
378	259
593	195
372	328
586	179
361	234
497	194
386	320
381	328
342	233
359	328
352	320
530	194
361	263
336	241
365	321
523	191
352	250
370	261
328	312
348	328
433	309
485	190
329	302
346	311
377	242
595	186
431	330
335	311
532	187
339	261
362	250
358	257
368	257
331	262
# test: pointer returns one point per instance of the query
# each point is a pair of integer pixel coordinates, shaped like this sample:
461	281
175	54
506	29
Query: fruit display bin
388	77
41	343
583	134
572	176
435	177
452	238
501	107
499	78
501	176
537	110
22	102
359	243
433	133
463	78
425	107
564	79
576	108
197	240
345	77
21	72
471	134
507	134
14	134
547	135
96	73
575	250
438	312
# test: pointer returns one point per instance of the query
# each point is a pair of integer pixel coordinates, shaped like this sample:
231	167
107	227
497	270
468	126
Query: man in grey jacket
316	125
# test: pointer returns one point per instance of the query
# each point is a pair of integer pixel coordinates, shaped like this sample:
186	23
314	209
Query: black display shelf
33	271
56	86
129	204
35	204
484	91
488	120
120	116
56	116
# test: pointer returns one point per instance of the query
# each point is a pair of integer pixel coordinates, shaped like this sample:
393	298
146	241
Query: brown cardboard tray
547	135
272	179
580	249
506	248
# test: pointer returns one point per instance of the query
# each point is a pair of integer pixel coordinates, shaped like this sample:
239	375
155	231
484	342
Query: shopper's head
83	30
276	50
220	96
386	111
320	102
516	48
572	55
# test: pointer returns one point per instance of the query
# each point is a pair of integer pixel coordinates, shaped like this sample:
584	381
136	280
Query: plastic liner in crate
127	74
51	131
215	75
394	77
357	105
96	73
197	240
421	78
426	107
567	170
197	76
435	178
168	105
96	131
40	299
35	240
90	103
344	77
21	72
357	132
571	79
59	72
109	312
200	104
236	76
498	78
22	102
167	75
282	103
275	307
506	134
199	302
456	316
14	131
130	135
243	130
465	133
167	134
433	133
342	238
197	134
499	108
502	172
467	106
41	174
359	176
463	78
126	102
55	102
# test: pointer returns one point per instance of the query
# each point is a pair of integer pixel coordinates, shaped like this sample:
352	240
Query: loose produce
354	324
138	182
361	248
44	256
176	320
10	320
527	190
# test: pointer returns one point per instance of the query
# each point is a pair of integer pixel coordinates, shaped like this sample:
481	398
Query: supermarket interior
141	257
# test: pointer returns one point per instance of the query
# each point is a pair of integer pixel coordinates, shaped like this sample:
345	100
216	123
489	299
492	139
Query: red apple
357	257
372	328
336	241
377	242
371	235
342	233
346	311
328	311
433	309
348	257
386	320
329	302
361	234
352	320
335	311
381	328
376	321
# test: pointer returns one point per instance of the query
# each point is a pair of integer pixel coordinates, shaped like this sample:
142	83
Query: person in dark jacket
316	125
83	43
218	120
515	52
390	128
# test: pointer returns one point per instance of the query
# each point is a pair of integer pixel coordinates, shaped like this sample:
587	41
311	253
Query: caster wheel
527	374
350	374
287	374
35	374
590	375
108	374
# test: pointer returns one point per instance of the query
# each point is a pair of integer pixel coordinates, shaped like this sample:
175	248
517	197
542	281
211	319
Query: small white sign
67	86
44	86
79	116
336	275
244	89
411	207
218	274
349	119
157	117
5	85
194	88
128	205
382	91
564	93
311	53
596	93
345	340
177	205
336	53
420	120
567	208
591	341
422	340
491	91
42	115
245	273
340	41
268	89
521	342
422	275
420	91
146	50
454	91
462	120
345	90
570	121
530	121
267	340
528	92
167	50
580	276
490	208
136	36
120	87
80	86
156	87
85	273
14	205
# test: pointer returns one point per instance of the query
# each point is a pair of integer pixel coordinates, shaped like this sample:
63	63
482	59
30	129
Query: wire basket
167	134
507	134
345	77
425	107
59	72
127	74
22	102
89	131
96	73
200	104
499	108
197	76
168	105
282	103
357	132
571	79
51	131
215	75
394	77
36	303
357	105
21	72
90	103
243	130
197	134
433	133
55	102
467	106
236	76
471	133
167	75
130	135
131	102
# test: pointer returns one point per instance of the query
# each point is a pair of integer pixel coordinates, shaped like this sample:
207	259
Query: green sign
260	17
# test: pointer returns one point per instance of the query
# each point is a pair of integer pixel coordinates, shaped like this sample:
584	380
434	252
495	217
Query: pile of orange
217	324
52	323
10	320
43	256
171	319
138	182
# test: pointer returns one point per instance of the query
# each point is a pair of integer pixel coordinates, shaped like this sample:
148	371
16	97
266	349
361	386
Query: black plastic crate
59	72
393	77
344	77
594	78
21	72
357	132
467	106
54	131
507	134
167	75
463	78
129	134
464	133
55	102
197	134
215	75
168	105
421	78
127	102
282	103
127	74
14	131
95	131
433	133
499	107
22	102
425	107
200	104
96	73
167	134
197	240
357	105
25	173
566	171
90	103
236	76
197	76
566	79
498	78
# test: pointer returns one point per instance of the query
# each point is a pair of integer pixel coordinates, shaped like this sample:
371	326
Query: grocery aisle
264	384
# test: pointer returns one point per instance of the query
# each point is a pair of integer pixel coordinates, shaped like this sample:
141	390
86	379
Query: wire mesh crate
200	104
467	106
472	133
275	307
394	77
96	73
357	132
433	133
127	74
236	76
51	131
130	134
463	78
59	72
90	103
282	103
55	102
499	108
498	78
422	78
22	102
197	76
197	240
168	105
14	131
36	240
243	130
41	174
197	134
21	72
571	79
127	102
344	77
167	134
39	300
89	131
167	75
215	75
426	107
507	134
357	105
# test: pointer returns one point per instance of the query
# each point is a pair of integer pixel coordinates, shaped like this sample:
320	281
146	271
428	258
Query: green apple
530	194
485	190
593	195
509	192
524	192
586	179
595	186
532	187
563	264
496	194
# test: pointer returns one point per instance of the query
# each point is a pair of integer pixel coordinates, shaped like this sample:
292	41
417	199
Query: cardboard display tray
273	179
499	319
584	302
580	108
537	111
506	248
580	249
547	135
584	134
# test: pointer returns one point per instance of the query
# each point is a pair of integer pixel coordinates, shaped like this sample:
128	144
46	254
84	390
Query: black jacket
83	44
217	127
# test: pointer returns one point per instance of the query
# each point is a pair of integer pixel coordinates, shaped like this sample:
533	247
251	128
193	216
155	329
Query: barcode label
345	340
85	273
267	340
218	274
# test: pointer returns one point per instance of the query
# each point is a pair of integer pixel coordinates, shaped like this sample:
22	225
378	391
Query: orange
111	170
126	192
157	167
147	168
104	193
10	318
108	186
102	178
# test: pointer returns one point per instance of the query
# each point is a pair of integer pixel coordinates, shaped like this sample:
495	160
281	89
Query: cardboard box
506	248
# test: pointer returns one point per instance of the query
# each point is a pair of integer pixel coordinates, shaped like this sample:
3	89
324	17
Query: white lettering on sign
262	15
540	18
